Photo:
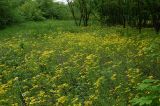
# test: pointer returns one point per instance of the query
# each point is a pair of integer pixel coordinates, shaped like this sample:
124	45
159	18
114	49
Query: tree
71	7
154	9
46	6
85	11
31	11
135	13
84	8
8	12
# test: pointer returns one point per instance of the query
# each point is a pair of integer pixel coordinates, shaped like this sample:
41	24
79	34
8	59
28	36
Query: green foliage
59	11
75	65
149	93
8	12
31	11
138	13
52	9
15	11
46	6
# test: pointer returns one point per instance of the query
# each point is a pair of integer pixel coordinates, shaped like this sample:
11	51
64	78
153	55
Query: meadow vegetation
47	63
80	53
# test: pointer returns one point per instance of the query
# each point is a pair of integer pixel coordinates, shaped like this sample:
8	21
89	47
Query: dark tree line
7	12
134	13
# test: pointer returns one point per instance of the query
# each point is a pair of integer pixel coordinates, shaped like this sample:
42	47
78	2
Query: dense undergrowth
90	66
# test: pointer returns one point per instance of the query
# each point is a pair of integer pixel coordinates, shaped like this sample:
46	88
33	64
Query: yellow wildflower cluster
80	69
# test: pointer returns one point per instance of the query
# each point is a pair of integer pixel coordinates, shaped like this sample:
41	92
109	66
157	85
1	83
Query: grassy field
55	63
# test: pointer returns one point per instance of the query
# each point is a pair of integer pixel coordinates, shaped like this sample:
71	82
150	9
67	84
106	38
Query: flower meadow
80	69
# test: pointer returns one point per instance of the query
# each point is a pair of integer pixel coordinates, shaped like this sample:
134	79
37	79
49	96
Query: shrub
149	93
9	13
52	9
31	11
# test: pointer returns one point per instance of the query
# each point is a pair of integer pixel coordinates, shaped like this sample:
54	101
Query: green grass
57	63
54	27
36	28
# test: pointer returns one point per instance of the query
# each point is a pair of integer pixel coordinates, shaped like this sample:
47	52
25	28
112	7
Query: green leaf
142	101
150	81
143	86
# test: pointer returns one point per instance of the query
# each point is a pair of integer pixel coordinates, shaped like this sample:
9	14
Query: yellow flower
88	103
116	88
98	82
62	99
41	93
150	77
90	57
93	97
33	100
47	53
15	104
2	65
74	100
113	77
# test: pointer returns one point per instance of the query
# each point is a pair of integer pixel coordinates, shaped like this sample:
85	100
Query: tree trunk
72	11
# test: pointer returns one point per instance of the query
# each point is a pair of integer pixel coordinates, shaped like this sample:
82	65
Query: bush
149	93
9	13
59	11
31	11
52	9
